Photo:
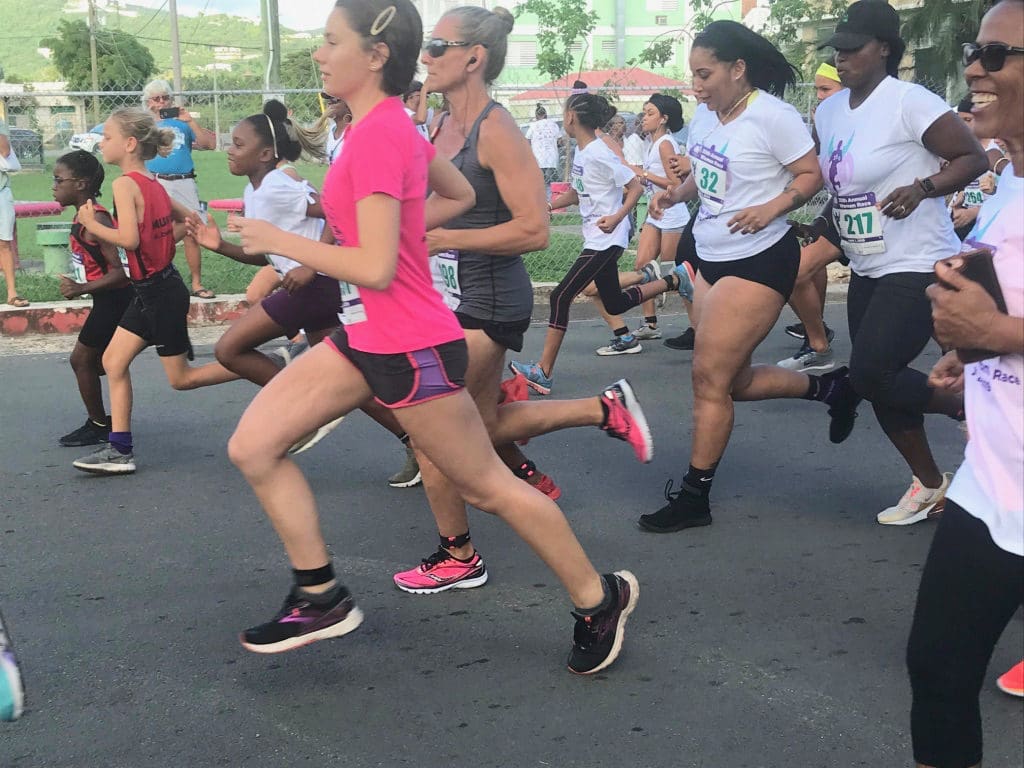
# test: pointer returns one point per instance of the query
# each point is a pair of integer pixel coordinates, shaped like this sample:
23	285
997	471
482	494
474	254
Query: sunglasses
992	56
437	47
328	98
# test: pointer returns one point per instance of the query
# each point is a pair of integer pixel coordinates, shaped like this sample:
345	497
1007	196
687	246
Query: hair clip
383	19
273	134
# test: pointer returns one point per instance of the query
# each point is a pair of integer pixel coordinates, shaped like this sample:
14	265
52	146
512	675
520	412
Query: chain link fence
46	121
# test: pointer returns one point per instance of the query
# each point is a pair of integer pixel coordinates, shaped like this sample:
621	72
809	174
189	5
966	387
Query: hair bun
506	17
275	110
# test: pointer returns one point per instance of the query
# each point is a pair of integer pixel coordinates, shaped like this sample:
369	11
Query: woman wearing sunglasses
973	580
882	143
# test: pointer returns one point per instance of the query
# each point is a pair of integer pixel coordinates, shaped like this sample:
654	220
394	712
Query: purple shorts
408	378
314	307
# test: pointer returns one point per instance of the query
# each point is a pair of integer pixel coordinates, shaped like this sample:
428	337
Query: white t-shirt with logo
739	165
598	176
283	201
678	215
543	137
868	152
990	482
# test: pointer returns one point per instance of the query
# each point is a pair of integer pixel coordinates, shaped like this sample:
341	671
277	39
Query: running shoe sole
1017	692
620	627
631	351
791	330
693	522
538	388
408	483
343	627
632	403
105	469
315	437
932	510
477	581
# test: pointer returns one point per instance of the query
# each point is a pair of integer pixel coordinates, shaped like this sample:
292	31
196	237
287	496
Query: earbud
472	60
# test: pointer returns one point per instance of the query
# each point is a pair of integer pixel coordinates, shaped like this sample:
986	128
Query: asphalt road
773	638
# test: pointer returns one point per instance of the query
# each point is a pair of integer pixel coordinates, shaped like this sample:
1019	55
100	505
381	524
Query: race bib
123	255
352	309
78	268
859	223
444	272
711	172
973	196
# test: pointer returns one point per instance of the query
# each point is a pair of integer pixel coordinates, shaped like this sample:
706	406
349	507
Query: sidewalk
67	317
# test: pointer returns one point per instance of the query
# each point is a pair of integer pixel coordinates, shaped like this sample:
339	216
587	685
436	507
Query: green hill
20	37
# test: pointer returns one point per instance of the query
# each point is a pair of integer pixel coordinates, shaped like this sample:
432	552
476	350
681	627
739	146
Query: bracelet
995	165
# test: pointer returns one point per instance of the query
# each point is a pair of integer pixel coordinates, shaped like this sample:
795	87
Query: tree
298	70
123	63
940	27
561	23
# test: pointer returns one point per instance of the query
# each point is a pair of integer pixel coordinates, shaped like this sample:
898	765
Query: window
608	47
522	53
661	21
662	5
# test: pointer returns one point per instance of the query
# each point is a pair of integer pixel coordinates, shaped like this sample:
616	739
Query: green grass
221	274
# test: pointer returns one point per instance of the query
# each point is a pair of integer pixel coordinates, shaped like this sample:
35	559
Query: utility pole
92	60
272	47
172	9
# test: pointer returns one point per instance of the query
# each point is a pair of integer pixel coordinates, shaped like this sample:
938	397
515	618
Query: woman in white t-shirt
973	580
543	134
598	178
8	164
890	152
262	148
752	161
659	237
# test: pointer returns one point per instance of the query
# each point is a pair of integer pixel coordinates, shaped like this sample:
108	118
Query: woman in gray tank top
478	267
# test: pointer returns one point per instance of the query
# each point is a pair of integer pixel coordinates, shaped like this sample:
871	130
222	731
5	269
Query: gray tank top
494	288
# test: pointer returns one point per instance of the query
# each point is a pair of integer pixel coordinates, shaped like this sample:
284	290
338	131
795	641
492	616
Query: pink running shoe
626	420
1012	682
441	572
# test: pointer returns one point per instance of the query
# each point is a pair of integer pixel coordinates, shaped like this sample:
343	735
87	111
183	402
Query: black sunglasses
992	56
437	47
328	98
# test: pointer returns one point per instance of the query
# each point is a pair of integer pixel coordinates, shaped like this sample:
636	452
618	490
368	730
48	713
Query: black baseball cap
864	21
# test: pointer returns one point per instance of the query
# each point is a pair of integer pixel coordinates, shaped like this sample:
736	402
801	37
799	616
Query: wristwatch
927	186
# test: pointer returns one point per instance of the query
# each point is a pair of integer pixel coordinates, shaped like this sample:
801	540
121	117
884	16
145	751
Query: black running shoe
597	640
683	341
300	622
89	433
796	330
842	403
684	510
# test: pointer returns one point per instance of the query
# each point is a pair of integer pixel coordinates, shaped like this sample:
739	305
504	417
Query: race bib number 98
444	273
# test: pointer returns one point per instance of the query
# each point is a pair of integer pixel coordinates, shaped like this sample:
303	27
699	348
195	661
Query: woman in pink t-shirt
400	344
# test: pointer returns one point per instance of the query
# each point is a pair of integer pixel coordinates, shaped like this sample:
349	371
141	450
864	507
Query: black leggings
969	591
890	323
600	268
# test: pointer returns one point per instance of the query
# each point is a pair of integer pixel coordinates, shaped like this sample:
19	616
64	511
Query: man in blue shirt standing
176	172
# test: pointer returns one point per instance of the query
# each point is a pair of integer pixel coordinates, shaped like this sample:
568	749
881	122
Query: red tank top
156	231
85	256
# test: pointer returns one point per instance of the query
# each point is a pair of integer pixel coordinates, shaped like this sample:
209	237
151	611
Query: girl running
753	162
158	314
598	177
99	272
400	345
890	151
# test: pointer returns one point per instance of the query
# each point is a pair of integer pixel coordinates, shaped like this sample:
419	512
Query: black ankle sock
451	542
312	577
825	387
698	481
671	281
606	601
651	321
526	469
326	597
623	331
813	387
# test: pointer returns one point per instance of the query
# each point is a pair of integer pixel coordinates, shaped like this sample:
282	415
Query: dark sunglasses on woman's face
992	56
437	47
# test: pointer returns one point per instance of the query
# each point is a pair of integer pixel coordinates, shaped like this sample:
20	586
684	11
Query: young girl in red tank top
158	314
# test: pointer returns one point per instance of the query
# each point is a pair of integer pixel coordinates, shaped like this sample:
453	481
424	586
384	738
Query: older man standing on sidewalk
176	172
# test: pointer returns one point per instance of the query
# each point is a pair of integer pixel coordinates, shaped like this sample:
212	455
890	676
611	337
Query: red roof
628	81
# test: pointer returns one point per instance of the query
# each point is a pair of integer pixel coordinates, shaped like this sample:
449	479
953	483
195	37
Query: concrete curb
67	317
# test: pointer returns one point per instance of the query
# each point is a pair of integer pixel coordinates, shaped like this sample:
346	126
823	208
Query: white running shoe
918	503
806	359
314	437
645	333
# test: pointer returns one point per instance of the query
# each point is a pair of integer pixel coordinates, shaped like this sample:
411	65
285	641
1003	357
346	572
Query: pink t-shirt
385	154
990	482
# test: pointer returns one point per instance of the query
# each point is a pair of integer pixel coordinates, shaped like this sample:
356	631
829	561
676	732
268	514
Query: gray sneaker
106	461
409	475
645	332
806	359
620	345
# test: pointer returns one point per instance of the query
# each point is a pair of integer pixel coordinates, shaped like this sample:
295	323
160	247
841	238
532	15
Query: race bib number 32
711	172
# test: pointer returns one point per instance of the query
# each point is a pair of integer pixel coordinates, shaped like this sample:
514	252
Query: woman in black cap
890	152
